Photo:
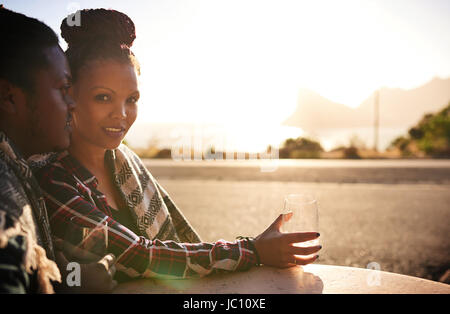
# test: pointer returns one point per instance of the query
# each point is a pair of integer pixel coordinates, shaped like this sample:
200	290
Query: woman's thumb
282	218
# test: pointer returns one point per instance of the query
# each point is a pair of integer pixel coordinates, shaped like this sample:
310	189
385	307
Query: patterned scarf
156	214
32	221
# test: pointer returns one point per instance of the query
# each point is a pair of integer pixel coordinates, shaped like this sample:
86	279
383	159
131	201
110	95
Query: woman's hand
277	249
96	277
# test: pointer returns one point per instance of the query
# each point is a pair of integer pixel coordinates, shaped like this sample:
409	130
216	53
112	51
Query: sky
244	61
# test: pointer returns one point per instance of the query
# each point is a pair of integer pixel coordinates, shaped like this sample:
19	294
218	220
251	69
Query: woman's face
106	93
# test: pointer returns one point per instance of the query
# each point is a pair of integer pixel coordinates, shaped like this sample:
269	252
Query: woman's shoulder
124	149
125	152
125	155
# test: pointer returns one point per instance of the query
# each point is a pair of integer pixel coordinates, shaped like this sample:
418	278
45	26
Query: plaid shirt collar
75	168
81	172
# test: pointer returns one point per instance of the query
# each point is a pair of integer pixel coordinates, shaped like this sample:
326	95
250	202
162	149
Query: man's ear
12	98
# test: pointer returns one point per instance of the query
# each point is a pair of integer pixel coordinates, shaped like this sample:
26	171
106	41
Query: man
35	116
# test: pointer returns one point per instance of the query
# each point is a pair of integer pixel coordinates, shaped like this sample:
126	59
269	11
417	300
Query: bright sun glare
245	61
242	63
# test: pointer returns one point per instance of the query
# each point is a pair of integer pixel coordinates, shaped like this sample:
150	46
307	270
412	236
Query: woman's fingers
296	250
299	260
276	248
108	261
113	285
112	271
296	237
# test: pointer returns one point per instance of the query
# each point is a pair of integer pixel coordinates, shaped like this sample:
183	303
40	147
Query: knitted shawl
22	203
156	214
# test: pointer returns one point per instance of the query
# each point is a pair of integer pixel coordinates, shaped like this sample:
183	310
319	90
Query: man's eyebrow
63	78
94	87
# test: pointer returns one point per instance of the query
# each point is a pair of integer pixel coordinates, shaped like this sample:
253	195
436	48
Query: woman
100	176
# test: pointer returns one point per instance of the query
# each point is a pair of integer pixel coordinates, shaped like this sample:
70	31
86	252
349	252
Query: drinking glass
305	216
86	239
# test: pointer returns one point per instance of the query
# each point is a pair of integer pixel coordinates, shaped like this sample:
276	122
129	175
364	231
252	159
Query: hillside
398	108
429	137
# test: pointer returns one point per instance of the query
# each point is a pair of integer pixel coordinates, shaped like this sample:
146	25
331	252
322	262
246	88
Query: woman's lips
114	132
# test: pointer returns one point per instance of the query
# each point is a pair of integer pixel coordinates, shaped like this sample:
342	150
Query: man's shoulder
3	167
10	184
49	167
12	194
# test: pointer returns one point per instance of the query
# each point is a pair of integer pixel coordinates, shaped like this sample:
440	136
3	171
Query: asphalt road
395	216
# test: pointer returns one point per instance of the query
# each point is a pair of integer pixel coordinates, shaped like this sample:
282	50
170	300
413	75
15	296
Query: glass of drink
305	216
86	239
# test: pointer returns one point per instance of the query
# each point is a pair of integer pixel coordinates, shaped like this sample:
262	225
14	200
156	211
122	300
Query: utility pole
376	119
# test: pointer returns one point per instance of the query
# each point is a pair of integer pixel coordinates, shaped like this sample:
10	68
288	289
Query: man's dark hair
22	52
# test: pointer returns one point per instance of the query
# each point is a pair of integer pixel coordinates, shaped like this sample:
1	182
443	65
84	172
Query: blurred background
243	102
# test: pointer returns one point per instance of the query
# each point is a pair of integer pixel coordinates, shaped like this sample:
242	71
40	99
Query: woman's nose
120	112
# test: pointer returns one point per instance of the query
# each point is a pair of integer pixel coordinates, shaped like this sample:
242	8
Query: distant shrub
430	136
351	153
297	154
164	153
300	148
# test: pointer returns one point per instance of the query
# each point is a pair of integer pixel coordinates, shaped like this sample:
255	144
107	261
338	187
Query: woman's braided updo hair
102	34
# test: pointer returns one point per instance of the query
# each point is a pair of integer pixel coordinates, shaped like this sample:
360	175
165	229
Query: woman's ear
11	97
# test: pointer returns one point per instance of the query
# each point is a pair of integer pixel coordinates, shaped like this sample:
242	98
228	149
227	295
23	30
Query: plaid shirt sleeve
136	255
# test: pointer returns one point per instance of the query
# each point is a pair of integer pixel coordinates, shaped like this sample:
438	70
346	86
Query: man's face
49	109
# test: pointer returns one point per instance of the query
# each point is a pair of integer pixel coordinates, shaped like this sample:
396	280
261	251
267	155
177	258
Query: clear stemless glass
305	216
86	239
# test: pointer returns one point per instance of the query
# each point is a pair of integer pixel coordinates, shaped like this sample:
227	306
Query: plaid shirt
71	190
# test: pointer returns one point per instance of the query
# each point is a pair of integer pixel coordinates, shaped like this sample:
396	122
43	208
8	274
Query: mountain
315	112
398	108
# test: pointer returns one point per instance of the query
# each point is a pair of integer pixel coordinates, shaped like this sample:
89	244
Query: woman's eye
132	100
102	97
